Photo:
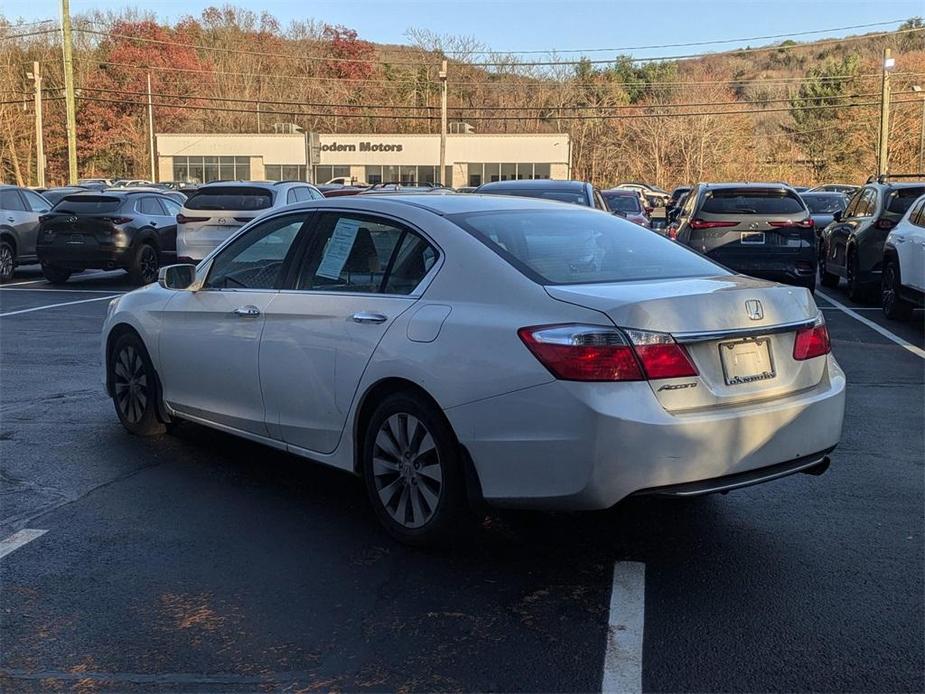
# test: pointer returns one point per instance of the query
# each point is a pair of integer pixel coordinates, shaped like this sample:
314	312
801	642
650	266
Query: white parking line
873	326
76	278
18	539
64	303
55	291
623	657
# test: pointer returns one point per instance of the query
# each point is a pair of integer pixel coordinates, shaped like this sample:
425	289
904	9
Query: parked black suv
131	229
852	245
759	229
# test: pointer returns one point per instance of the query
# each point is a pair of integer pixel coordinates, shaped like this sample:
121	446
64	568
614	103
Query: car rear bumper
798	268
89	254
588	445
197	243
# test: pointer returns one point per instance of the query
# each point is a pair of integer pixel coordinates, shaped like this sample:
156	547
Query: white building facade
471	159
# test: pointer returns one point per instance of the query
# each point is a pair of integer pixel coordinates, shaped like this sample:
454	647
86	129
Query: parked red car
626	203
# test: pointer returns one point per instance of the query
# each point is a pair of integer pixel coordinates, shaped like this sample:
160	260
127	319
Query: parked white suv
217	210
902	285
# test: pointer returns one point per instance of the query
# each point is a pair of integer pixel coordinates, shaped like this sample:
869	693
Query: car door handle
899	239
247	311
11	219
153	223
367	317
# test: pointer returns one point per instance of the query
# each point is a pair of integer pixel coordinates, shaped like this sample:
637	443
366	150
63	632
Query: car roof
625	192
544	183
814	193
748	185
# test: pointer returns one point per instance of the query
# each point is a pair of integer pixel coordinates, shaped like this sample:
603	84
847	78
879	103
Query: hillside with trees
800	112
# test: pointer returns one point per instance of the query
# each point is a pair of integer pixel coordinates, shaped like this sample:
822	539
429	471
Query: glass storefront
284	172
486	173
324	173
206	169
406	174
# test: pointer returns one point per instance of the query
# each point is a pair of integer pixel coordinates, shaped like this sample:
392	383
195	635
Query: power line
31	33
675	45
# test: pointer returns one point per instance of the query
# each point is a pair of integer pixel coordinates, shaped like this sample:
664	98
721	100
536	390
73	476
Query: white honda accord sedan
458	349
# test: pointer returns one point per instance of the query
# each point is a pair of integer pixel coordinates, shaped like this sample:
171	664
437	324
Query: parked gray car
19	224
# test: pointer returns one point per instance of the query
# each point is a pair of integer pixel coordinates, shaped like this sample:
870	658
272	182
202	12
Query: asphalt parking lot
200	562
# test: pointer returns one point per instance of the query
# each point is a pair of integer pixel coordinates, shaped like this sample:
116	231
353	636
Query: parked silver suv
217	210
19	225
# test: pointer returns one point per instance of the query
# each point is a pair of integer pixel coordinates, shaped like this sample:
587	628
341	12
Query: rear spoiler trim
742	332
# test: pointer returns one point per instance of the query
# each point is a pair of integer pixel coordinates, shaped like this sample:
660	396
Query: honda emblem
753	309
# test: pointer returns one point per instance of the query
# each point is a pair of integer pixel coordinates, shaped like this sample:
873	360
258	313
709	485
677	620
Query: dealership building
471	159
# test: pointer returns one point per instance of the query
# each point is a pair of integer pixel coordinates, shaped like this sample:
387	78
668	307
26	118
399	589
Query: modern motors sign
362	147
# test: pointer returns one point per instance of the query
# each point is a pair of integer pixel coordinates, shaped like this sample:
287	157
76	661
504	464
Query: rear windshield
623	203
901	199
826	204
232	198
751	201
574	197
88	204
577	247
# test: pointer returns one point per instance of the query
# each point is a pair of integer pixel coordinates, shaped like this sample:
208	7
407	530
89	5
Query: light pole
917	88
442	177
36	77
883	155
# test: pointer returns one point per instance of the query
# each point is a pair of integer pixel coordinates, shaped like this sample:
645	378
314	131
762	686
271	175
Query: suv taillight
577	352
183	219
812	342
802	224
704	224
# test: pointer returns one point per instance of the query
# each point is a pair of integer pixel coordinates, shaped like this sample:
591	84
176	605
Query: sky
511	25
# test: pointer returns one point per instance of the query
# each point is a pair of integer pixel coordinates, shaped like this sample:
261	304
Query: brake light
120	220
599	353
703	224
812	342
673	231
243	219
802	224
183	219
885	224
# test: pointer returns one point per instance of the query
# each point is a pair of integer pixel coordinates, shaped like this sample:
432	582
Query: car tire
856	291
7	261
55	275
145	265
890	301
135	391
413	471
827	278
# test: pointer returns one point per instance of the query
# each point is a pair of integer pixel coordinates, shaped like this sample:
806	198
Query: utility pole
442	177
258	117
151	134
68	49
883	161
916	88
36	77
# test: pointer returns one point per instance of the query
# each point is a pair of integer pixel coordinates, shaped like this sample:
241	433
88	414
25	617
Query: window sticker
338	249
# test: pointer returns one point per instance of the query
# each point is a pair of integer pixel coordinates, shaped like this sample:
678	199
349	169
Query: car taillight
120	220
599	353
704	224
183	219
243	219
802	224
44	218
812	342
885	224
673	231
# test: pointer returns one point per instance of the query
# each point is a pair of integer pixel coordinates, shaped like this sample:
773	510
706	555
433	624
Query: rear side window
736	201
576	247
150	206
902	198
230	198
88	204
10	200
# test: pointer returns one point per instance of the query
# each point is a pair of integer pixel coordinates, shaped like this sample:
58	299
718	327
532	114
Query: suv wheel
55	275
856	291
893	306
828	279
7	261
134	386
145	265
413	472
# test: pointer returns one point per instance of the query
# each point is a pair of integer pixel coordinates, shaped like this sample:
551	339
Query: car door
210	339
167	229
15	217
857	214
37	206
358	273
910	247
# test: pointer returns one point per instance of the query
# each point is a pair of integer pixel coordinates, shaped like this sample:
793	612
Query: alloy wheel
407	470
148	264
6	261
888	288
130	383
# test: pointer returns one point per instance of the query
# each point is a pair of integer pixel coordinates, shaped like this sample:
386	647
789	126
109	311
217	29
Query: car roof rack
883	178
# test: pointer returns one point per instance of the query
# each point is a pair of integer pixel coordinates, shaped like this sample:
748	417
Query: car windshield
230	198
751	201
88	204
576	247
825	204
623	203
575	197
902	198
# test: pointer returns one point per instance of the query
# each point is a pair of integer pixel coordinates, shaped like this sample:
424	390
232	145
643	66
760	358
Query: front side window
255	259
571	246
867	203
355	253
36	202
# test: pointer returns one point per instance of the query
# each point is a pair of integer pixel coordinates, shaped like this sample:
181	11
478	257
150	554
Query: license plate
746	361
753	238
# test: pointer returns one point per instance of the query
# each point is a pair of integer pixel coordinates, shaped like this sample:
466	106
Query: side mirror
177	276
837	216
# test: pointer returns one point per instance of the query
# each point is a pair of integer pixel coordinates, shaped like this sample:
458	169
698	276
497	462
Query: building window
207	169
541	170
485	173
420	173
284	172
324	172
